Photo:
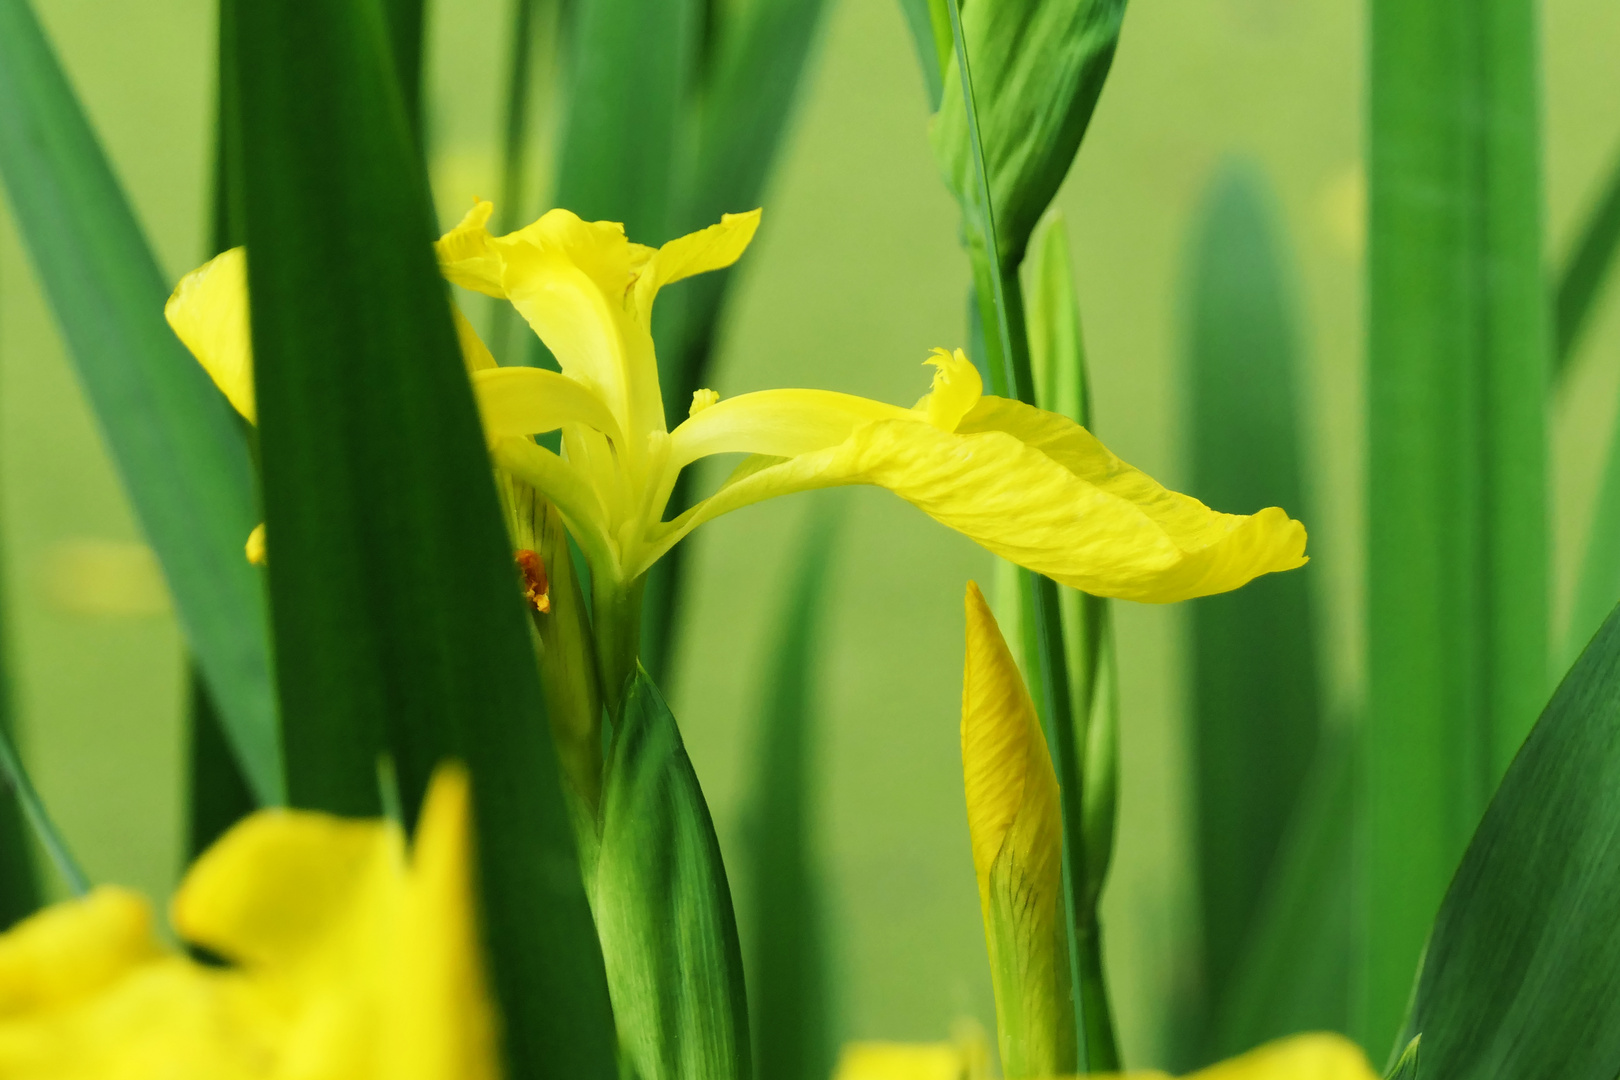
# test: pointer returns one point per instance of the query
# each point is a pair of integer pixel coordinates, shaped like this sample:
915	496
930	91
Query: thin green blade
395	603
787	959
1457	370
176	445
663	907
218	795
1255	696
1585	270
1522	973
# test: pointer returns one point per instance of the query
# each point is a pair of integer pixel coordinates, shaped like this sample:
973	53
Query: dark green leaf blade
1456	375
395	602
178	449
217	793
663	907
1522	973
1585	270
787	958
1255	705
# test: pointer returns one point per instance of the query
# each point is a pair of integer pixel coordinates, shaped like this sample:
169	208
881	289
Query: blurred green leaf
757	62
20	892
398	618
405	25
663	907
1456	386
1038	68
176	445
1522	974
788	958
1585	270
931	34
1293	972
1255	708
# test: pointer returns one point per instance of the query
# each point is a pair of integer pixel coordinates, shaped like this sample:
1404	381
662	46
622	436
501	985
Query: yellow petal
900	1061
294	892
465	255
777	422
1060	504
528	401
440	1020
71	950
208	312
474	353
956	390
1319	1056
713	248
562	483
254	548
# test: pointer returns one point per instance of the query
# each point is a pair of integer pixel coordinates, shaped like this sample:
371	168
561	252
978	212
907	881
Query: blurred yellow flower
348	960
1317	1056
1029	485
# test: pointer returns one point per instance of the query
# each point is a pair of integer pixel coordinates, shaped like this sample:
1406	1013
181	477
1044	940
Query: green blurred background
855	275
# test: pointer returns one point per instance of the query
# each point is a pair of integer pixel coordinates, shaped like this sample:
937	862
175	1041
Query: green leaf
1598	587
1585	270
177	446
663	907
218	794
743	106
405	26
398	619
1255	707
1456	385
1038	68
1522	973
931	33
788	960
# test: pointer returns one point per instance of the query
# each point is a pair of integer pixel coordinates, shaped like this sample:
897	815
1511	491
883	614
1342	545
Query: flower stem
617	618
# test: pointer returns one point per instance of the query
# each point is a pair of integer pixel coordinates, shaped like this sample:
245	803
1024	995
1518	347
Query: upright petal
713	248
1016	831
466	257
1066	507
208	312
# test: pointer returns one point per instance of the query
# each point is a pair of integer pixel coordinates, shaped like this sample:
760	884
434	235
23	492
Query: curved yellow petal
1061	506
573	496
900	1061
957	389
465	255
73	949
778	422
295	892
208	312
528	401
440	1019
1317	1056
713	248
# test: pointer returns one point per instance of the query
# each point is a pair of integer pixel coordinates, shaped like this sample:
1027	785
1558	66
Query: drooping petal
465	255
208	312
1080	515
528	401
777	422
713	248
295	893
1016	832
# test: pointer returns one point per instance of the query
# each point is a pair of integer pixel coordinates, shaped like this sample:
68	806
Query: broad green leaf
398	619
1255	701
177	447
788	961
1522	974
217	793
743	106
1585	271
663	907
1038	68
405	26
1456	470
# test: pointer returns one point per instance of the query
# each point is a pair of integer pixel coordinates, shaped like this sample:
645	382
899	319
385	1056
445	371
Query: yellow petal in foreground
349	960
1016	831
208	311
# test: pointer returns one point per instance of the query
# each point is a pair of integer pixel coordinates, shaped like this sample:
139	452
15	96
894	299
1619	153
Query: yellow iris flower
350	960
1029	485
1317	1056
